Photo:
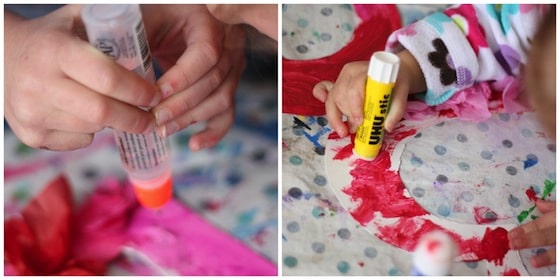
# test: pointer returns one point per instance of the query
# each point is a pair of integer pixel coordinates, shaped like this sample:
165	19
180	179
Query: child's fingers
544	259
398	105
546	206
203	39
334	116
539	232
216	129
99	109
100	73
321	90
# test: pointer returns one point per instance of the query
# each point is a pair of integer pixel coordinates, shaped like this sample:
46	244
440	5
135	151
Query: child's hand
540	232
346	95
204	60
59	90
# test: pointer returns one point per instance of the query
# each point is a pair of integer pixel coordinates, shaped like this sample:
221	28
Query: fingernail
170	128
162	116
150	127
166	90
195	147
156	99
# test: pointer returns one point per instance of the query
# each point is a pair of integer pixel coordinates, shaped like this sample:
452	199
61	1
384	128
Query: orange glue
382	74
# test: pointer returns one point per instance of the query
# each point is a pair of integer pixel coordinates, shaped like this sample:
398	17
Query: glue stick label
369	135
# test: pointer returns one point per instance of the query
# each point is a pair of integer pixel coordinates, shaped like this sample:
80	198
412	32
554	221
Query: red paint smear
361	264
300	76
511	272
531	194
379	191
400	135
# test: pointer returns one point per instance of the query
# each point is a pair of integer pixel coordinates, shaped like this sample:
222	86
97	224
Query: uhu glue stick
118	31
382	74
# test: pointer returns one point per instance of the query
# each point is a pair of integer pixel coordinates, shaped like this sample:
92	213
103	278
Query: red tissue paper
49	238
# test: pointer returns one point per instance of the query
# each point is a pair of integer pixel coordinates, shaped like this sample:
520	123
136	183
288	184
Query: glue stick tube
382	74
434	255
118	31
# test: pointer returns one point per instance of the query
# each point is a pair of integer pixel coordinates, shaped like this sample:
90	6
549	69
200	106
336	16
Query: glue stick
118	31
382	73
434	255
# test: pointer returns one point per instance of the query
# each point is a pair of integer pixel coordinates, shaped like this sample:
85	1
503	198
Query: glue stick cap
384	67
434	254
153	193
102	17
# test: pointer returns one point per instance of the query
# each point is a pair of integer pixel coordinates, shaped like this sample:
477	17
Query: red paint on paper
531	194
512	272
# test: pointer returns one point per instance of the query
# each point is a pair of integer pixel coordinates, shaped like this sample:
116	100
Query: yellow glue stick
382	74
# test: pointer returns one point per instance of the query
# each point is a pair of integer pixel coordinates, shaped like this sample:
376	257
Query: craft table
337	221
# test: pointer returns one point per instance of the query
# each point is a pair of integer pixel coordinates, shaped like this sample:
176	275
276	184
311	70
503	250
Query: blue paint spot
308	196
443	210
343	266
531	161
234	177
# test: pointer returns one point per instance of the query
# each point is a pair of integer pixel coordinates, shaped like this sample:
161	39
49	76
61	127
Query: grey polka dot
298	130
326	37
320	180
507	143
491	216
511	170
295	192
303	23
290	261
551	147
504	117
322	121
284	33
526	132
540	251
486	154
418	192
370	252
326	11
472	265
293	226
318	247
302	49
464	166
443	210
442	179
440	150
483	127
467	196
462	138
514	201
418	135
344	233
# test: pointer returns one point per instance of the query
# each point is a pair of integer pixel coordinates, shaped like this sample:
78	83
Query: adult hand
263	17
346	95
204	60
59	90
537	233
